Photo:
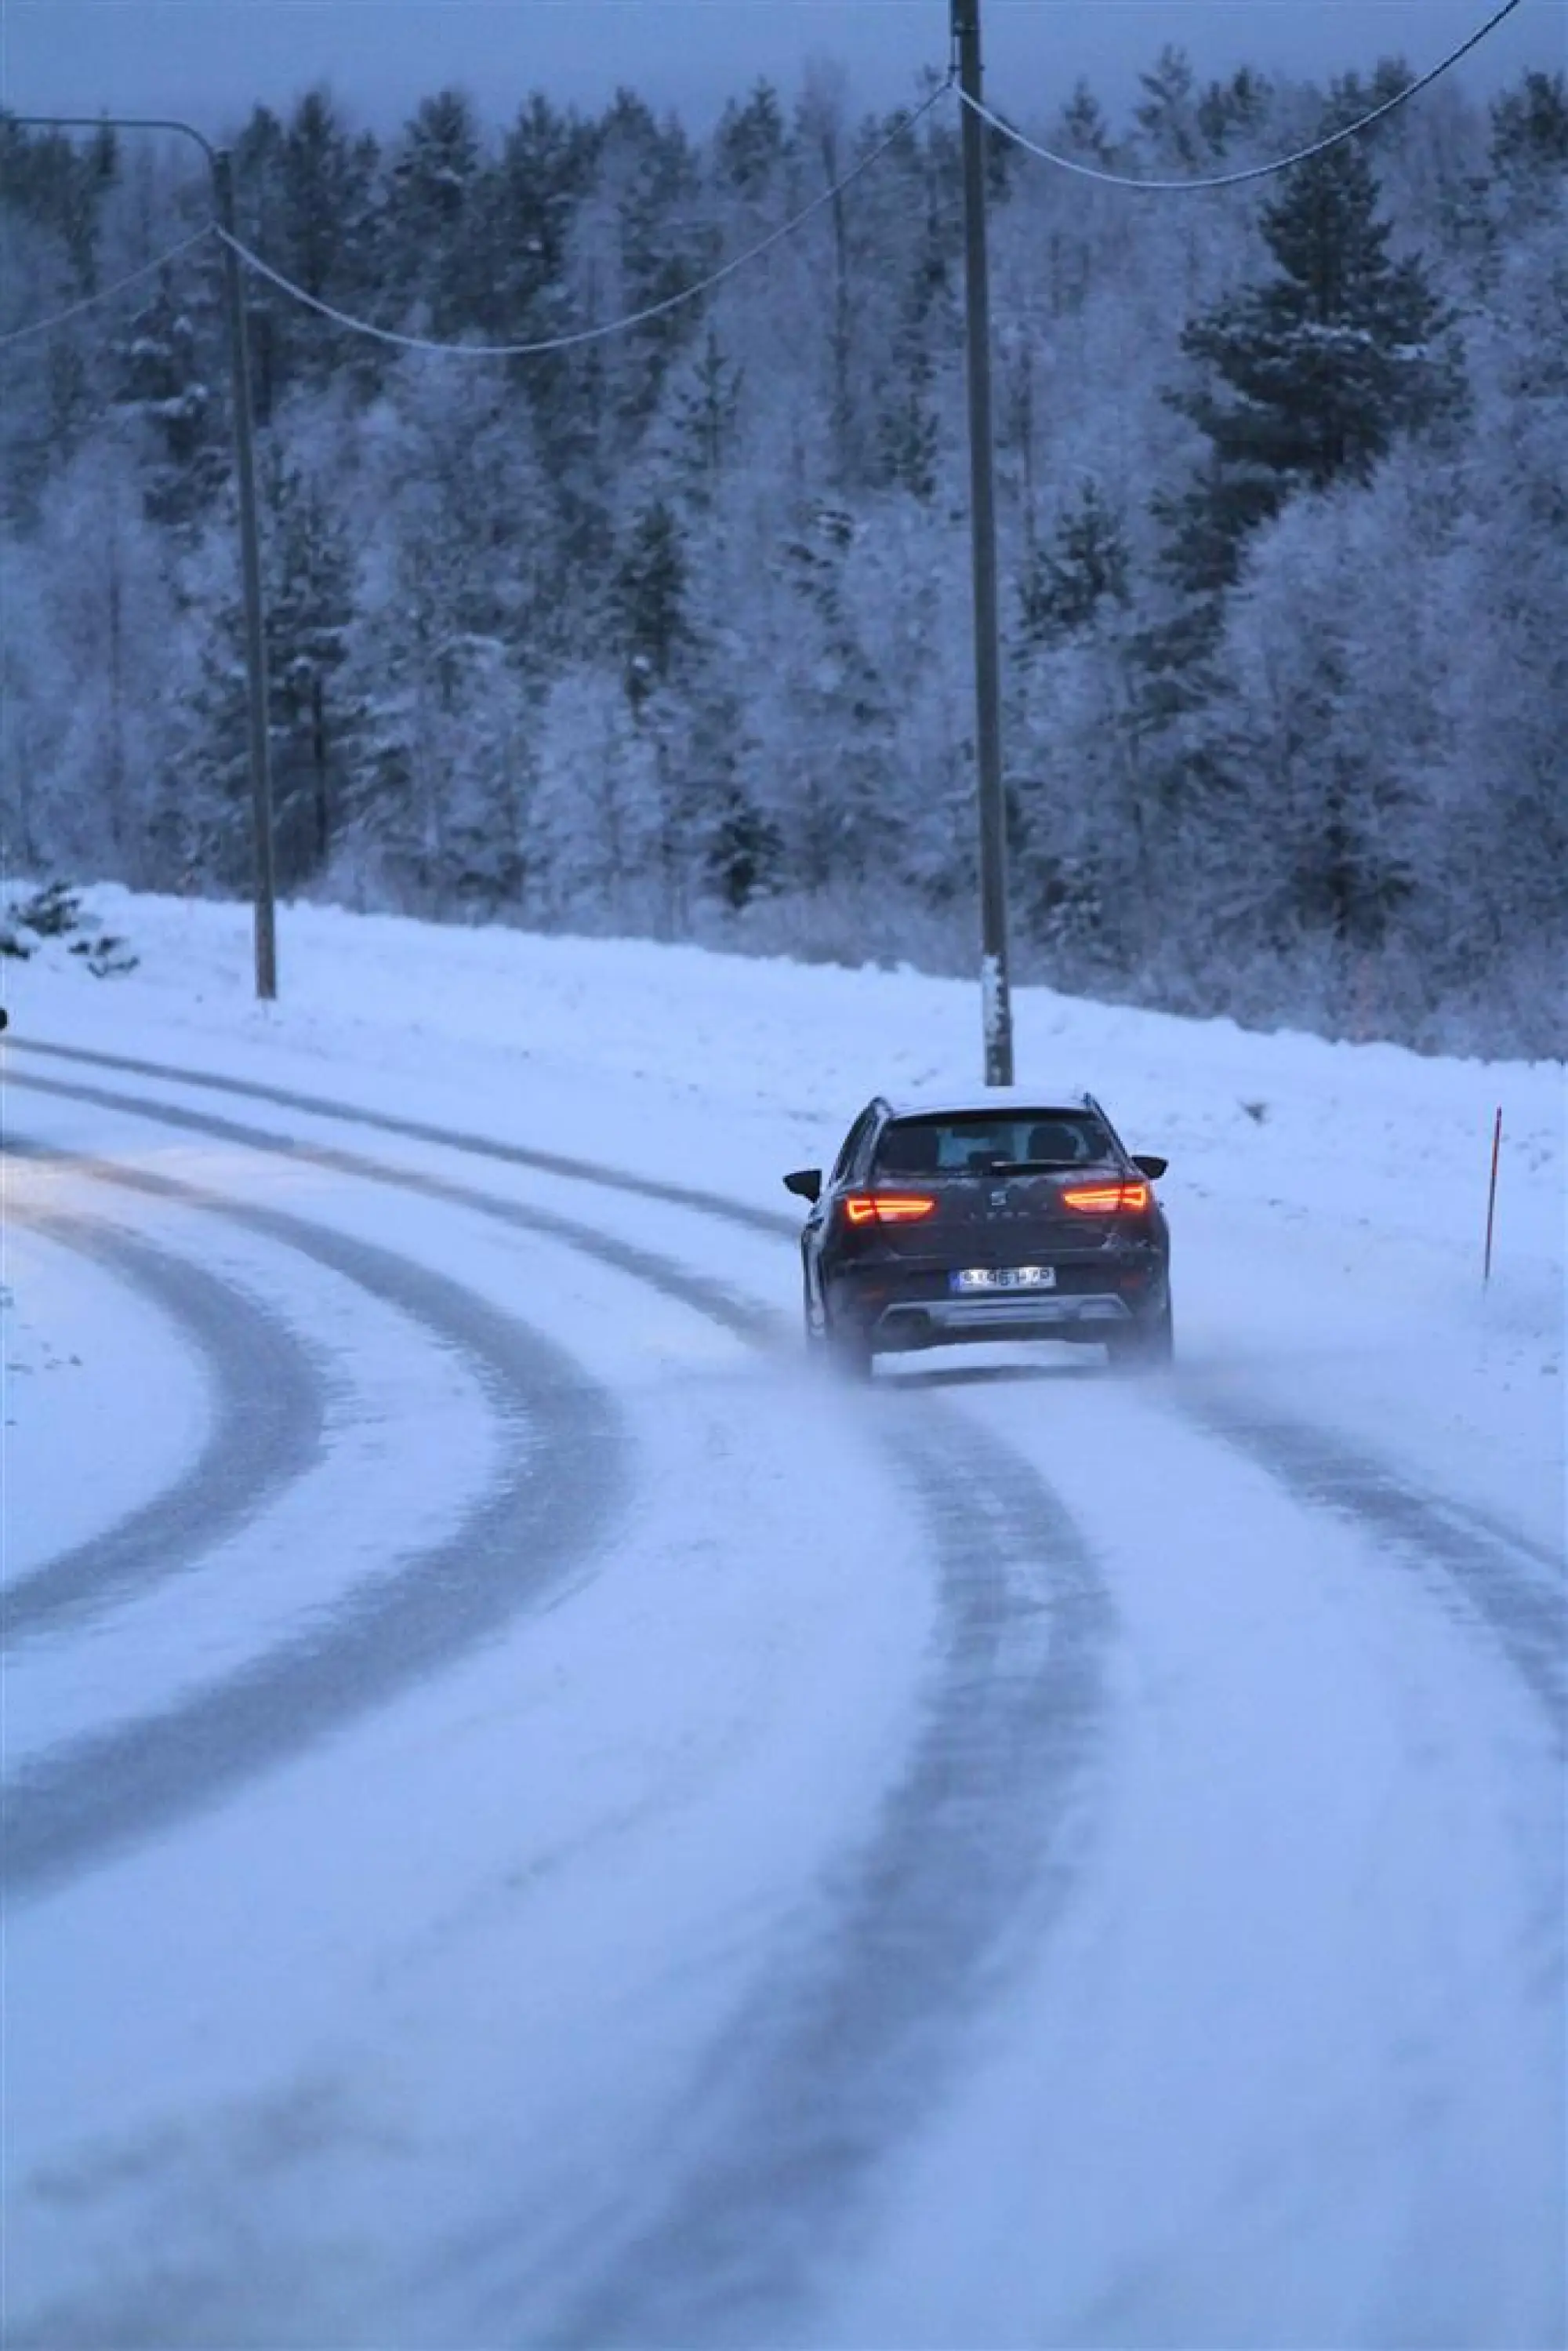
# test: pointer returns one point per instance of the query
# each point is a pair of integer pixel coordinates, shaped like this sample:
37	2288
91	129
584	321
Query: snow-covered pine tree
750	144
315	720
1309	376
326	223
1168	114
163	372
429	232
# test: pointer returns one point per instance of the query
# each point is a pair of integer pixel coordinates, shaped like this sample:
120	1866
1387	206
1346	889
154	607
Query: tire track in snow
1498	1576
507	1554
413	1130
977	1847
742	1316
845	2047
271	1394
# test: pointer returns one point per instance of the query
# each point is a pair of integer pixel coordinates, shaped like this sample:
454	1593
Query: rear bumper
948	1321
906	1306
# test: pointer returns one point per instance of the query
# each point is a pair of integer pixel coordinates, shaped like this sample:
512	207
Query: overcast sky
210	60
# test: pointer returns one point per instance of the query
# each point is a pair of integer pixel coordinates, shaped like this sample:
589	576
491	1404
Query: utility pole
996	992
220	170
255	613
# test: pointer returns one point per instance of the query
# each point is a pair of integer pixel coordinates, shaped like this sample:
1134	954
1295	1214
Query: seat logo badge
1000	1199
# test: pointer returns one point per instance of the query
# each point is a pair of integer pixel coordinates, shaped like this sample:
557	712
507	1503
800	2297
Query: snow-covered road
531	1819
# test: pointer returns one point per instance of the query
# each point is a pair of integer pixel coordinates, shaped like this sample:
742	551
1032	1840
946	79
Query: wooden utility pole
995	984
255	611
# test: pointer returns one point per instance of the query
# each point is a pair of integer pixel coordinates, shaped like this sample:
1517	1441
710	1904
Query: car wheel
1145	1346
815	1323
850	1351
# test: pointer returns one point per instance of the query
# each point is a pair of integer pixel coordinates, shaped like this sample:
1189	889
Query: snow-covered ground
532	1819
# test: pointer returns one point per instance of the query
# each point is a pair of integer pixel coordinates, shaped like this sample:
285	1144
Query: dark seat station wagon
1013	1215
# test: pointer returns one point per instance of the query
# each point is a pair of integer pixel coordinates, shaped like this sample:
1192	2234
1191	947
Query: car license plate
1005	1277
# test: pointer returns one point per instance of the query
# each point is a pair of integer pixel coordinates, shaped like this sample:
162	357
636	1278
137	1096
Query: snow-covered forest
670	633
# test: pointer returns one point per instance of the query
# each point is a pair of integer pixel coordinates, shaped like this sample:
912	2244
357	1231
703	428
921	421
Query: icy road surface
529	1818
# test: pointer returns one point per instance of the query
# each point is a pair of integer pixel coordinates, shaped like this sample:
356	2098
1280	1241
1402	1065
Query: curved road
962	2069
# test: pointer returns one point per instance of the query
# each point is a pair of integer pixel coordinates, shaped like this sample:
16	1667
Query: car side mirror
1149	1164
806	1183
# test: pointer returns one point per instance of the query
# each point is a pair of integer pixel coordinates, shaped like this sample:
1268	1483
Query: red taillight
1107	1199
887	1207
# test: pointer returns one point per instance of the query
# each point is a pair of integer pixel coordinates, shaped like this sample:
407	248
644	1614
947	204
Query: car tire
849	1352
846	1350
1145	1346
813	1321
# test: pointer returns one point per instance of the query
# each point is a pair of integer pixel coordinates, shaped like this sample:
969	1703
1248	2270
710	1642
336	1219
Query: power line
107	293
614	325
1253	170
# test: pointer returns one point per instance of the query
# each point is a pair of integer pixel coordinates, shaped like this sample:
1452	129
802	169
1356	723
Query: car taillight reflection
1107	1199
887	1207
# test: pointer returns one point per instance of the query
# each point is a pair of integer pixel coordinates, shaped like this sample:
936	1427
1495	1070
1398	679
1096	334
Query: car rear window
975	1143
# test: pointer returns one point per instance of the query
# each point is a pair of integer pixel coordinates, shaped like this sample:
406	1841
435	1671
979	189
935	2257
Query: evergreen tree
1083	130
437	797
744	849
750	143
272	320
1309	377
1082	815
654	636
430	234
1084	564
60	185
832	708
649	178
315	723
648	602
1230	113
704	422
310	613
163	379
546	170
1169	112
911	430
324	223
864	228
1529	141
539	195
